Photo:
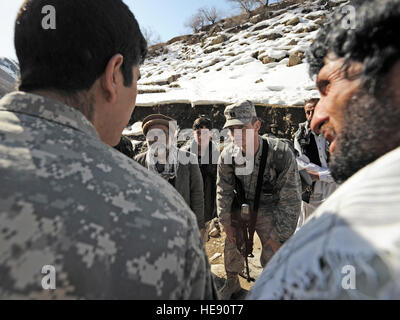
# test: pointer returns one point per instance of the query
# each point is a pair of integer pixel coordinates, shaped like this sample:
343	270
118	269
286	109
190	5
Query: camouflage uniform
277	215
278	210
111	229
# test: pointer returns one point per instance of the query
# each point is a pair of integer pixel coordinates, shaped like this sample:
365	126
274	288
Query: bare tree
151	36
210	14
195	22
263	3
245	5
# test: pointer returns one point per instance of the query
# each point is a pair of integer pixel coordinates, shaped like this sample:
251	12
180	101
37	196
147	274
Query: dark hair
71	57
125	146
313	101
201	122
374	41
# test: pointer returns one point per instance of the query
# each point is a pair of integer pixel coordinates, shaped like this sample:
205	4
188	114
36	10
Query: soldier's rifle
243	219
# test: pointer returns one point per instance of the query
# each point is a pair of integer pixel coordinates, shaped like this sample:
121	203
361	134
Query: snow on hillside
250	64
10	67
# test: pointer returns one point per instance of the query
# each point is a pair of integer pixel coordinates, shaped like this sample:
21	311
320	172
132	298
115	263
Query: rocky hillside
258	58
261	59
8	75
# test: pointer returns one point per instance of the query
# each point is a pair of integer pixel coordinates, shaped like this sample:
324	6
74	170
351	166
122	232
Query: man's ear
257	125
111	77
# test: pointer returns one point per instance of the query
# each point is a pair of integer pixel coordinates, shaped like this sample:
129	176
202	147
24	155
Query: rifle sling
260	178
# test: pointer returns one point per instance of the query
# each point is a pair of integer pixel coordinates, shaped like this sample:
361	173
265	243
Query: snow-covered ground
234	69
10	67
228	66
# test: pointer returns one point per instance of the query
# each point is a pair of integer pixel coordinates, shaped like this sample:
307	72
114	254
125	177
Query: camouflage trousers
234	261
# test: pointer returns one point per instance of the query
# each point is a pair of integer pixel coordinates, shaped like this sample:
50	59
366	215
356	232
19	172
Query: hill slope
260	60
8	75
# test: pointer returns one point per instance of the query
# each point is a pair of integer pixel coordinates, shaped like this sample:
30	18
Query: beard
370	130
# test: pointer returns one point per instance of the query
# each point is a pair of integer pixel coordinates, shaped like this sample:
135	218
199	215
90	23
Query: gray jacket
188	183
110	229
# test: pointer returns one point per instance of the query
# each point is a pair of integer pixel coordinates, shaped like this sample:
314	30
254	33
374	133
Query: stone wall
281	121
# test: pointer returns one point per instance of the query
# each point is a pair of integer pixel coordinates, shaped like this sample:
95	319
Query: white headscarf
159	163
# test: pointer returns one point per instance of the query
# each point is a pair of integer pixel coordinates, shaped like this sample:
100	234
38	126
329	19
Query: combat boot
231	286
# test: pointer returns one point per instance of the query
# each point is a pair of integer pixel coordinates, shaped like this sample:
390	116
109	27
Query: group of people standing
207	182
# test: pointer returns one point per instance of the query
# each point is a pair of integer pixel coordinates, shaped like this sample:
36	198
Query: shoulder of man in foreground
110	229
349	249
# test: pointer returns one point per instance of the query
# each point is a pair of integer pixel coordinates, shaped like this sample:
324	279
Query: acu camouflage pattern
111	229
283	207
239	113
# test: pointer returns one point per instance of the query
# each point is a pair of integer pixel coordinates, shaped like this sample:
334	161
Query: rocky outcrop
295	58
220	39
307	29
268	59
179	38
212	49
147	91
261	27
270	36
173	78
293	22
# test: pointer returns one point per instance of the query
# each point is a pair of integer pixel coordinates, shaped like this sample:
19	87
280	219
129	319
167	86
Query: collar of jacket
192	146
48	109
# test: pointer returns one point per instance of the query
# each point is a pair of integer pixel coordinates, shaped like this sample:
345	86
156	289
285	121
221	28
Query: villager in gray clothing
178	167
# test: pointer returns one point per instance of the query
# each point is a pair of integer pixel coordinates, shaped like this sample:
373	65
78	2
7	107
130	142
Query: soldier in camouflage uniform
70	204
278	211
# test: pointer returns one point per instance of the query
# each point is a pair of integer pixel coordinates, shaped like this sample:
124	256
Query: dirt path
215	252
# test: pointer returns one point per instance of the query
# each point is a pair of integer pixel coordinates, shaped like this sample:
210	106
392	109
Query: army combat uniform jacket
71	205
282	204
